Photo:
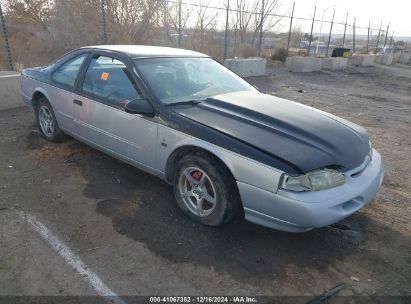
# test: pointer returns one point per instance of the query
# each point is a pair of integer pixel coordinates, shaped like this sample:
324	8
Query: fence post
386	34
179	24
345	29
103	20
311	33
329	36
368	34
378	38
389	48
226	30
291	25
353	36
7	52
261	28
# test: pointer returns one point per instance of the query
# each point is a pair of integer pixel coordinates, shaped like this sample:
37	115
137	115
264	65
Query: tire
47	123
214	184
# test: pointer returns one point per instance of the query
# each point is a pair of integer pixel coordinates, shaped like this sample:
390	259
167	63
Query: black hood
296	134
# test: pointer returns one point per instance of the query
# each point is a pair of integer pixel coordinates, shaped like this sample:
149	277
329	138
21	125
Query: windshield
188	79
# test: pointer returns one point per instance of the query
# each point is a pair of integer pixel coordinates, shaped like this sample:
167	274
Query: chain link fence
36	32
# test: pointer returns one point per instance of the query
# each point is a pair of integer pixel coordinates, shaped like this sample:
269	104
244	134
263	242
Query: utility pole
7	52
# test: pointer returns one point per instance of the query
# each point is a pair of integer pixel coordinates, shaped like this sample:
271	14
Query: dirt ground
124	224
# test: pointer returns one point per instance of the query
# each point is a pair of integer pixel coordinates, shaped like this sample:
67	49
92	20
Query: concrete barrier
337	63
303	64
245	67
404	58
10	91
363	60
385	59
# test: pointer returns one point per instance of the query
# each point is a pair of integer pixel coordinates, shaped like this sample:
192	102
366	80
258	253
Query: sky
397	12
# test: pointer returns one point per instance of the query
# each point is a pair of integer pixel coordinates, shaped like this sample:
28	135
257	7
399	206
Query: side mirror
137	106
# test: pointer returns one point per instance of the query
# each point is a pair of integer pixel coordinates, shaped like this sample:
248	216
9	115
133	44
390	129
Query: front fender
243	169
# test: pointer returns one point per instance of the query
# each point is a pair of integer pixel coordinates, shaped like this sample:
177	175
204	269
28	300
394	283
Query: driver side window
67	73
109	79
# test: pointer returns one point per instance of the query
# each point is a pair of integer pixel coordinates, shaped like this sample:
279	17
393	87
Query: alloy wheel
46	121
197	191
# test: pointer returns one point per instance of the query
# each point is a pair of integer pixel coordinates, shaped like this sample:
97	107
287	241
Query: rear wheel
47	123
205	190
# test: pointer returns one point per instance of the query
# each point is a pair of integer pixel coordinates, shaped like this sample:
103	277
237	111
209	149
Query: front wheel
47	123
205	190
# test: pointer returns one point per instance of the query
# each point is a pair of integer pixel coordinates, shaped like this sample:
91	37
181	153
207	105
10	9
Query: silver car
227	149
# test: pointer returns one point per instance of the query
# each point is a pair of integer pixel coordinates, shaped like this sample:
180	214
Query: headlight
313	181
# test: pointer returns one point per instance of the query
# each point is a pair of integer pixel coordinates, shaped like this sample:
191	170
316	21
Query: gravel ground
125	226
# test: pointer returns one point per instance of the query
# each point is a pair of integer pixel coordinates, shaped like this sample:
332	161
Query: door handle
78	102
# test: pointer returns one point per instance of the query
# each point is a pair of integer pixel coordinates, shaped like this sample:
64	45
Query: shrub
279	54
247	50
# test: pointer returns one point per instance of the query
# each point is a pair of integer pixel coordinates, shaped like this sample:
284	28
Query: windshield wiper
191	102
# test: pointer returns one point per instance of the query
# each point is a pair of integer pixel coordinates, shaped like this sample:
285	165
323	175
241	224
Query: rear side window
68	72
109	79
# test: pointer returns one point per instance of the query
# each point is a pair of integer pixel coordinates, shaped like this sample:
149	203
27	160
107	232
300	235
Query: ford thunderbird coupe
226	148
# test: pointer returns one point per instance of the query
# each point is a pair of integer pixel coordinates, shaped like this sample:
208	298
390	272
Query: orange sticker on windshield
104	76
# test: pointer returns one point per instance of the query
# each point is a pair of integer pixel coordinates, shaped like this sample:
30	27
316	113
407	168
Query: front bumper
303	211
27	100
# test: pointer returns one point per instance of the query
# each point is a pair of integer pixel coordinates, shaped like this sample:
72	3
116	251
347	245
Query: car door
62	93
101	119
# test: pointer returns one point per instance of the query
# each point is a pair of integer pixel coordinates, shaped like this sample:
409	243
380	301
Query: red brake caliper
197	175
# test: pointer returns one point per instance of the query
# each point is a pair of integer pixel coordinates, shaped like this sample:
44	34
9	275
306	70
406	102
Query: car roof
147	51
